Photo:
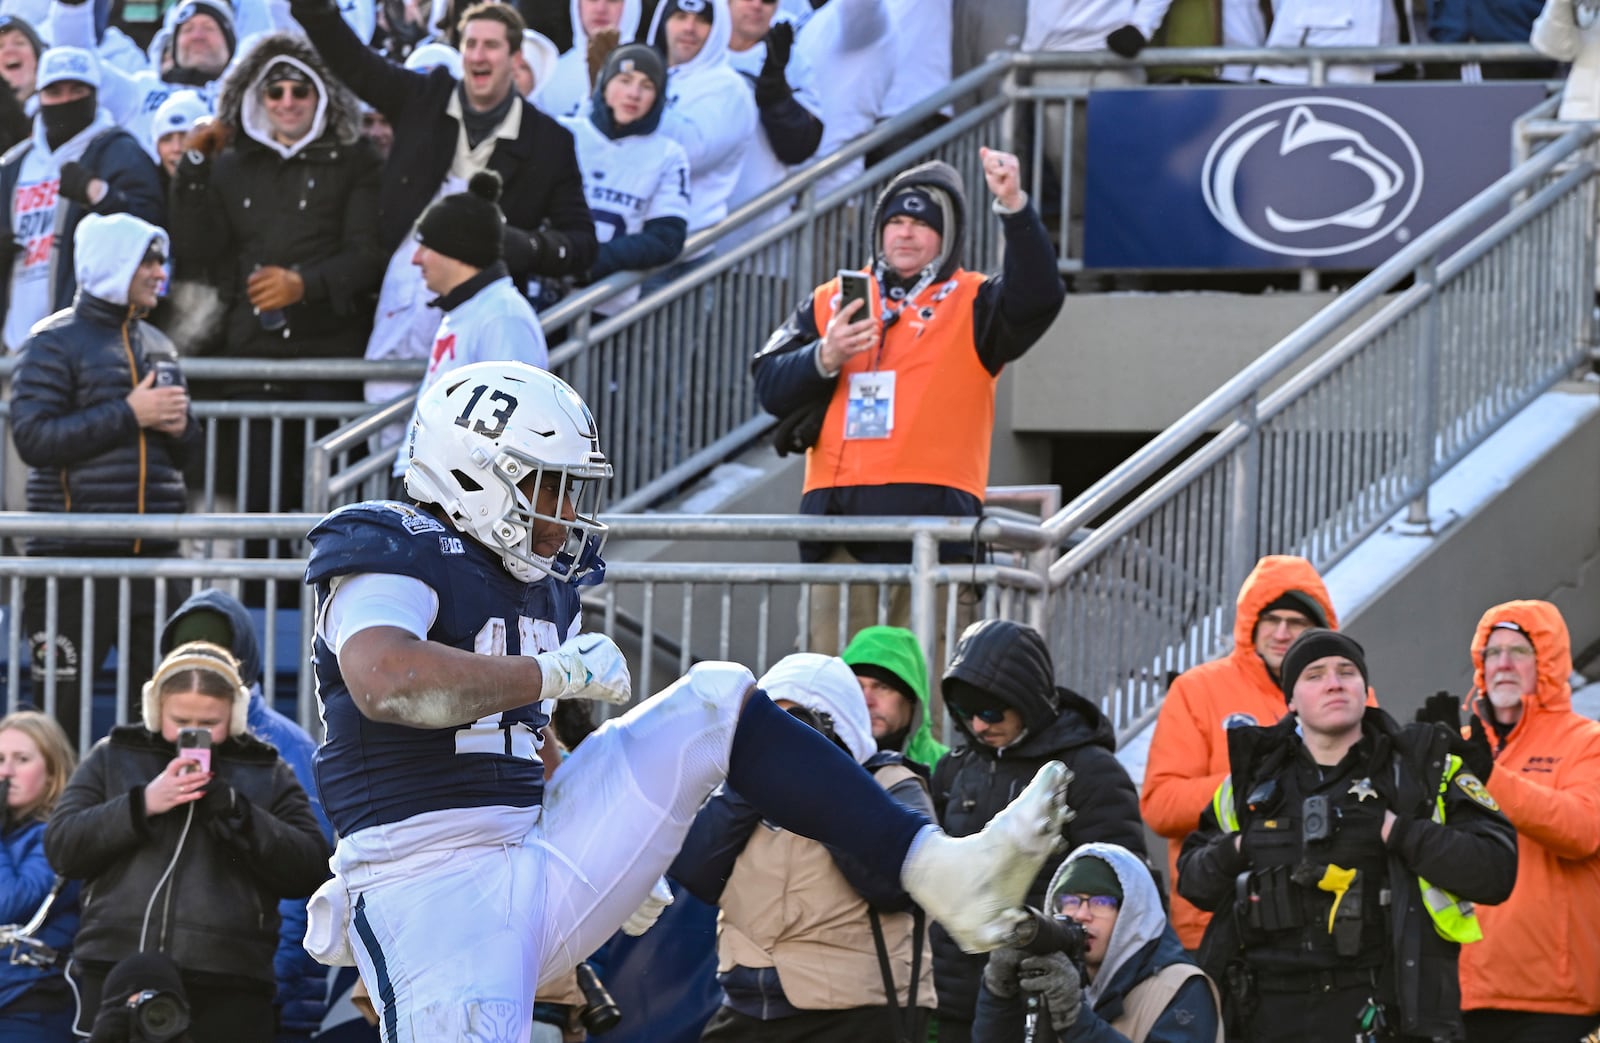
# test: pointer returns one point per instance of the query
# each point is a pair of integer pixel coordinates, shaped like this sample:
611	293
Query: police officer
1341	858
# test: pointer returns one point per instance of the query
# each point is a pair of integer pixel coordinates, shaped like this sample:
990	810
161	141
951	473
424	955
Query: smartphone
855	286
195	744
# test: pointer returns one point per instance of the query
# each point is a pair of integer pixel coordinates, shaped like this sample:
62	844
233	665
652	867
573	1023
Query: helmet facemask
581	487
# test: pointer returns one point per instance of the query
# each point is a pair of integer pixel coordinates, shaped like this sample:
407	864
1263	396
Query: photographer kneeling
1141	985
187	851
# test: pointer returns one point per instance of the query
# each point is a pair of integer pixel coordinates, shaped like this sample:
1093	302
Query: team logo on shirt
415	521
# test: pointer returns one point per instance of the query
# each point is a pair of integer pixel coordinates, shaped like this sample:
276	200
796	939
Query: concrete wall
1538	537
1137	362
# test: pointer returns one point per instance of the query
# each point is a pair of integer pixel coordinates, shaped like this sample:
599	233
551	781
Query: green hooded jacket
896	650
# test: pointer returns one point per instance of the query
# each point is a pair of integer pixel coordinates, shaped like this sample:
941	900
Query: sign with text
1287	177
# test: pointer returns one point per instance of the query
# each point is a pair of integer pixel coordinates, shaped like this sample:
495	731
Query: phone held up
855	286
195	744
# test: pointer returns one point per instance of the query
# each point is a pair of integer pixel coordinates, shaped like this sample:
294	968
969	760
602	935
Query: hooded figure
1540	952
1189	750
636	178
796	954
1003	669
210	615
710	110
286	209
568	88
893	656
1141	982
46	182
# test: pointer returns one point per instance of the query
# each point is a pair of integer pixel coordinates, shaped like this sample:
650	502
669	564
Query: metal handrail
1238	392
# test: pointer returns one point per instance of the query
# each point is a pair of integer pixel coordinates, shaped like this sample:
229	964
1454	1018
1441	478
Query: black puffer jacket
314	211
221	914
75	430
974	782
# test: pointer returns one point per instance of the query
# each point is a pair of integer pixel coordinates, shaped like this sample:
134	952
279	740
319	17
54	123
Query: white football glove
646	915
589	666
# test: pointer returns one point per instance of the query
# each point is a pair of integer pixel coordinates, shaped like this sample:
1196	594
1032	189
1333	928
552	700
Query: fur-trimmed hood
338	110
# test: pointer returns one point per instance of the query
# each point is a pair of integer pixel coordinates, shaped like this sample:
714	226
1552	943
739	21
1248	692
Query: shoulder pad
379	536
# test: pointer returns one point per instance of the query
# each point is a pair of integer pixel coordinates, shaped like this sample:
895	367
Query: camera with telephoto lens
819	720
600	1012
1042	935
158	1016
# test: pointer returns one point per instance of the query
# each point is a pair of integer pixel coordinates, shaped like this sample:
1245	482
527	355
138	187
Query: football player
445	628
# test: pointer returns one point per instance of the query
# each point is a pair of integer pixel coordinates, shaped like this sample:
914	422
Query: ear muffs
197	655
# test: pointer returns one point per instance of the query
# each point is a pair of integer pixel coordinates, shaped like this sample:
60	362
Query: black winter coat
221	914
73	426
974	782
316	212
549	228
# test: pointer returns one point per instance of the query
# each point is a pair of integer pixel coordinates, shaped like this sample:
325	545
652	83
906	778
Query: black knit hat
141	972
1298	601
634	57
1089	875
219	12
466	226
16	23
1317	643
914	202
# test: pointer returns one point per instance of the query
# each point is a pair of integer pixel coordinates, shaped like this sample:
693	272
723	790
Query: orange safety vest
943	398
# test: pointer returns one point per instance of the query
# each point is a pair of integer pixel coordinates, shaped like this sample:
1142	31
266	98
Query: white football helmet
481	433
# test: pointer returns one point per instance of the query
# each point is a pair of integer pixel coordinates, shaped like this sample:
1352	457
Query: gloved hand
227	816
78	184
272	287
649	912
1474	750
1055	980
1126	41
1441	708
590	666
771	86
1001	972
208	138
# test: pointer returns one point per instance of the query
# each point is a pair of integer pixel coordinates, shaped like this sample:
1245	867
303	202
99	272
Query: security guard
1341	858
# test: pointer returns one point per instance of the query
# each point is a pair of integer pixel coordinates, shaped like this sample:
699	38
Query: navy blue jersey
370	773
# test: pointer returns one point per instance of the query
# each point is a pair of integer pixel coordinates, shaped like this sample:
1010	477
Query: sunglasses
990	716
301	91
1066	905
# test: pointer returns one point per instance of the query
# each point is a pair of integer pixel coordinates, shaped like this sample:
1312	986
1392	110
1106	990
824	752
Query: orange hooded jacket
1541	947
1189	751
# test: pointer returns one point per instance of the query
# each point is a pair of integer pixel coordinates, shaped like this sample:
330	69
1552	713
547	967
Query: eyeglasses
986	716
1520	653
301	91
1066	905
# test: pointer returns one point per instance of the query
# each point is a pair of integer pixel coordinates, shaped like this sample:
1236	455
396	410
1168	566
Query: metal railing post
1426	419
1244	505
924	559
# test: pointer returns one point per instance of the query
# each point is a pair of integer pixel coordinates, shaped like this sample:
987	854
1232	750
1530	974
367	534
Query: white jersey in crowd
1318	23
1083	25
844	43
33	226
762	168
711	112
568	87
627	182
496	324
922	61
